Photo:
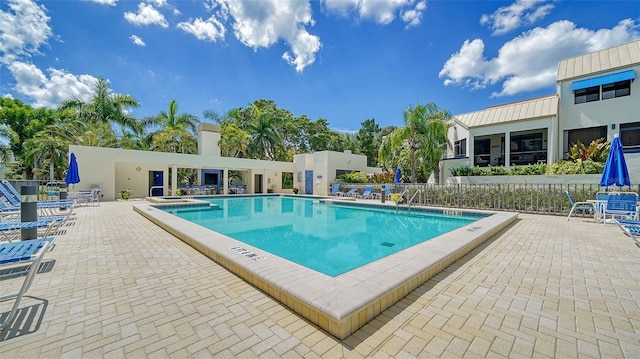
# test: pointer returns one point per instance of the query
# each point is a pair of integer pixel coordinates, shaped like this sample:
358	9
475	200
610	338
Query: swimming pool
338	304
327	237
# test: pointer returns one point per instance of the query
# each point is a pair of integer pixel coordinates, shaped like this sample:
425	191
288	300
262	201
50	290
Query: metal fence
526	198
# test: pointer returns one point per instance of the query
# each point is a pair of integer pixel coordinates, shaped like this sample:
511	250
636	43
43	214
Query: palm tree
47	146
264	134
173	120
424	134
174	127
105	107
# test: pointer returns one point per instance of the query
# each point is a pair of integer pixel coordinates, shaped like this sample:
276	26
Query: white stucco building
597	96
148	173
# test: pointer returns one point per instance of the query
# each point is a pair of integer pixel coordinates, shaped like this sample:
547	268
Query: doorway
308	182
156	183
257	180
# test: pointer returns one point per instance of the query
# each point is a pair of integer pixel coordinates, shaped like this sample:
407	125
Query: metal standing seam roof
524	110
600	61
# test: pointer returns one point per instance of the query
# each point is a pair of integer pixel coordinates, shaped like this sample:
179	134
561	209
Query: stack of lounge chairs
51	215
21	258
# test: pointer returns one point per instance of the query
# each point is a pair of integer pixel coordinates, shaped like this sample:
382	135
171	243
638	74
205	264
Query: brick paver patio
118	286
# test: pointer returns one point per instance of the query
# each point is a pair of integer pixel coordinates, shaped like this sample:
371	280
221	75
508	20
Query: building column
552	141
225	181
264	181
174	180
507	149
471	154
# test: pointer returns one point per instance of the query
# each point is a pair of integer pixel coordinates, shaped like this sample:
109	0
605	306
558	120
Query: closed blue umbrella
398	176
615	169
72	172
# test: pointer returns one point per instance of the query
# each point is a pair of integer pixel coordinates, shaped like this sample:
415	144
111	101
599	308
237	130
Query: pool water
329	238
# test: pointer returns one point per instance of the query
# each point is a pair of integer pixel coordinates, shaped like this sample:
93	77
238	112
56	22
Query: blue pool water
329	238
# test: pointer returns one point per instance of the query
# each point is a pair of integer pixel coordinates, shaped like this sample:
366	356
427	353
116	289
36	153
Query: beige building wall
610	113
208	139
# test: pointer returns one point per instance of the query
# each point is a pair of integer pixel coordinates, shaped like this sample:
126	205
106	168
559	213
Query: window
618	89
460	148
287	180
482	147
585	135
482	152
630	135
588	94
527	143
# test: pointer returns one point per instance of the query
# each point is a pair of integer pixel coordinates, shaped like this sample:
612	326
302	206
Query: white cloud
381	11
23	29
104	2
158	3
260	24
529	62
205	30
146	15
414	17
520	13
137	40
50	91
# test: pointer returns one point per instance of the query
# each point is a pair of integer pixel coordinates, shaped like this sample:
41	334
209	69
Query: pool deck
117	285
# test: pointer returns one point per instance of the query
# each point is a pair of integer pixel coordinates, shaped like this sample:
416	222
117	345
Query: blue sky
342	60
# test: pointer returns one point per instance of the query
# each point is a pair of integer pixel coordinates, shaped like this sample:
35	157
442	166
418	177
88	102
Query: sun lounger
27	254
350	193
366	194
621	204
335	189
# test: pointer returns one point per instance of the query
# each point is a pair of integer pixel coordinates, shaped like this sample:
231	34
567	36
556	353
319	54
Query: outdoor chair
631	228
25	257
350	193
621	204
335	189
366	194
578	206
12	197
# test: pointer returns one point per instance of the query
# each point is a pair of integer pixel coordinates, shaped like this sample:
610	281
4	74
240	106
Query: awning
603	80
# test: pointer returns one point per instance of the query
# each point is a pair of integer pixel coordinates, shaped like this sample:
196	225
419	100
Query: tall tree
24	122
173	127
46	147
424	135
105	106
262	124
366	141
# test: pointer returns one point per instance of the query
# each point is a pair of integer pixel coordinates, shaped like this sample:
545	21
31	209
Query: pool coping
339	305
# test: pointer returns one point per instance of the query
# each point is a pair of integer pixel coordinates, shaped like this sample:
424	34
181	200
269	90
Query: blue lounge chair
579	206
11	196
335	189
17	254
350	193
366	194
386	192
621	204
631	228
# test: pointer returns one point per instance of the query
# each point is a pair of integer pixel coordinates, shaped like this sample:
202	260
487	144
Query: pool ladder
410	201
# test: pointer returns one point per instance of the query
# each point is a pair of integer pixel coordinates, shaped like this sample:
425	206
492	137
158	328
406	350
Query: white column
264	181
174	180
470	154
225	181
552	141
507	149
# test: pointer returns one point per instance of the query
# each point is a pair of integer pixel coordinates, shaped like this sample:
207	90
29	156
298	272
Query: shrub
578	167
355	177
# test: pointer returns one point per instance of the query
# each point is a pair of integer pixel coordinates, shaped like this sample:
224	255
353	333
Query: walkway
118	286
